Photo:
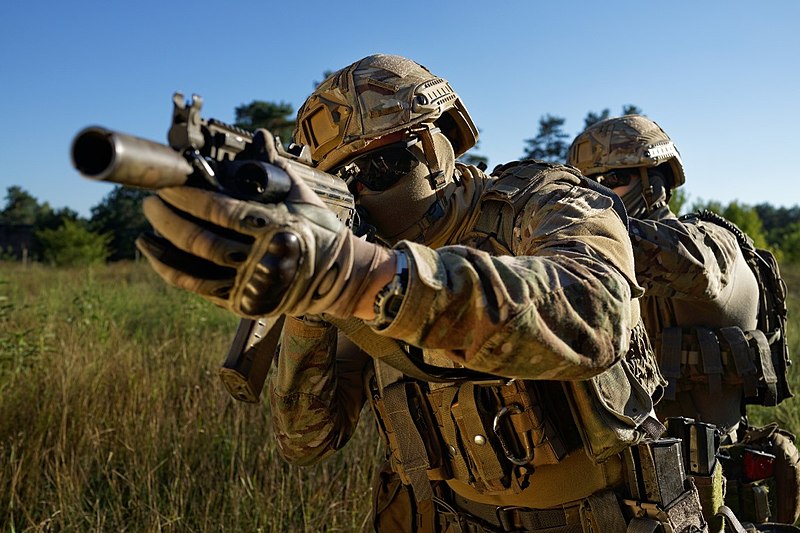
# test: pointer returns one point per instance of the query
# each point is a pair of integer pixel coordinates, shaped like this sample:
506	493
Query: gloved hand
255	259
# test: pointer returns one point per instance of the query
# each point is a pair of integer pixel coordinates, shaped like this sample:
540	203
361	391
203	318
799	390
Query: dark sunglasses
379	169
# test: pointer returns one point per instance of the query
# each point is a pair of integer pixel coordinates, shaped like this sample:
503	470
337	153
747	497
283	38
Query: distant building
16	240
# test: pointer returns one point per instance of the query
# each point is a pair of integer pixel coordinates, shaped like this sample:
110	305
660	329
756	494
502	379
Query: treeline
31	230
34	231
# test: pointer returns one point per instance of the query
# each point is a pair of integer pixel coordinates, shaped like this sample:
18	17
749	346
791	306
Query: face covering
635	201
401	208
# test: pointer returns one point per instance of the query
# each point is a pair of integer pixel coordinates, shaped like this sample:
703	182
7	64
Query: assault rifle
221	157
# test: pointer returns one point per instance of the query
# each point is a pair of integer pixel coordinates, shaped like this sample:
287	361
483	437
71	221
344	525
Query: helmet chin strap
647	189
437	177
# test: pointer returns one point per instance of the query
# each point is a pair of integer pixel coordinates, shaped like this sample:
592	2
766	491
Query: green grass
112	417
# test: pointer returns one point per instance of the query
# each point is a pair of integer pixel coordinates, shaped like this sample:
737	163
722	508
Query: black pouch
699	444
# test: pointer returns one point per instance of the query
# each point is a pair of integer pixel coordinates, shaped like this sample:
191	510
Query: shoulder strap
391	352
505	198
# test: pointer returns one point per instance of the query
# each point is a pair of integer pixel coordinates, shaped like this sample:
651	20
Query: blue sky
722	78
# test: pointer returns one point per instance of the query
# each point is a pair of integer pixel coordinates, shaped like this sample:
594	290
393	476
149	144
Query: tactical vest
491	433
755	359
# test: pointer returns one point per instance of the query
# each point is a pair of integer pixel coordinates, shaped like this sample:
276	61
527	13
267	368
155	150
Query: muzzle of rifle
106	155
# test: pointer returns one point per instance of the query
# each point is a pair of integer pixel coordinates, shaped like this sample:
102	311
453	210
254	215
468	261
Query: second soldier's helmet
374	97
628	141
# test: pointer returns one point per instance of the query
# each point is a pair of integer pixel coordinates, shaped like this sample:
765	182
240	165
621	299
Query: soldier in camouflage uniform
700	307
492	329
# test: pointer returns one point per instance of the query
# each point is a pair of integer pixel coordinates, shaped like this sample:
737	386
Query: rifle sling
391	352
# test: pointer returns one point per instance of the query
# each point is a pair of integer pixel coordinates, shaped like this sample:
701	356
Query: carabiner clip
514	408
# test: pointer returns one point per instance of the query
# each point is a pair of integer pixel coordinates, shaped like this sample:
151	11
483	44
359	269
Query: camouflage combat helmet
628	141
373	97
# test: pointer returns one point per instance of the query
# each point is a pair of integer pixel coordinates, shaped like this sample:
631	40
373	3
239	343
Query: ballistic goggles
379	169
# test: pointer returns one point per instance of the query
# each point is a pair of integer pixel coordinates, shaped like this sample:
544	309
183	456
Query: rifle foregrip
106	155
249	358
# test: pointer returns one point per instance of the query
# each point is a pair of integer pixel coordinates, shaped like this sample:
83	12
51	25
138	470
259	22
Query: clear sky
721	77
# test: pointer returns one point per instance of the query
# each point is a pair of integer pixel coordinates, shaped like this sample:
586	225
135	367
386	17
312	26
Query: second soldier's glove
255	259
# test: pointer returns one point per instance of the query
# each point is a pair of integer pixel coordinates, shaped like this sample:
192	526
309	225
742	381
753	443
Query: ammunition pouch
699	445
763	476
691	357
661	496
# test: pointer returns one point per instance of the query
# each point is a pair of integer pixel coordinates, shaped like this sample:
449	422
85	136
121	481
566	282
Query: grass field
112	417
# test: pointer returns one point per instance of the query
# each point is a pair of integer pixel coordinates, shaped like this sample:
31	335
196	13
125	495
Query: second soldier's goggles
614	178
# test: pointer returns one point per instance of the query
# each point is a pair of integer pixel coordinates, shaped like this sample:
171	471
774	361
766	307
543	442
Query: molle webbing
410	450
670	360
456	432
566	519
712	360
767	370
740	351
467	412
725	354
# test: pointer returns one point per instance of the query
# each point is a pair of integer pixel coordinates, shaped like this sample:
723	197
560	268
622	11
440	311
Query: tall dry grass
112	417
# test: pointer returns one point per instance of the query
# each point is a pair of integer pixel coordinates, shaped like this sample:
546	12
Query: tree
278	118
789	244
471	158
550	143
779	223
49	219
630	109
120	215
592	117
73	244
678	200
325	75
744	216
22	208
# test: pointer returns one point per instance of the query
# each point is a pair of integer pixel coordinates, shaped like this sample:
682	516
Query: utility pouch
612	411
749	471
490	472
496	433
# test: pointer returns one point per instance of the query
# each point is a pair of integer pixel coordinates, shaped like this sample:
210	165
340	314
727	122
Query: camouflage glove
256	259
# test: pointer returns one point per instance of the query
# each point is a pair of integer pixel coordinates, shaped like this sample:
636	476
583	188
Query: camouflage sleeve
688	260
316	392
559	309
